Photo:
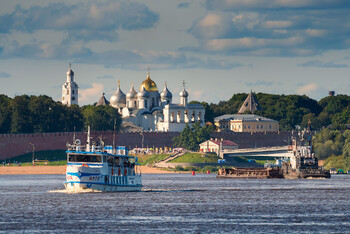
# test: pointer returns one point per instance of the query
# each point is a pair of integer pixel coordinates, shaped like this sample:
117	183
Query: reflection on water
177	203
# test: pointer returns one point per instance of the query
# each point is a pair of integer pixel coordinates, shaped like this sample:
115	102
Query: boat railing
80	148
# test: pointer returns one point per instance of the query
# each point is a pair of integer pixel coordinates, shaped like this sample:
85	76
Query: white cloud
85	21
272	27
197	95
90	95
307	89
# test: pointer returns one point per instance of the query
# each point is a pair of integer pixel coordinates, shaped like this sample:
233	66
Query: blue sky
219	47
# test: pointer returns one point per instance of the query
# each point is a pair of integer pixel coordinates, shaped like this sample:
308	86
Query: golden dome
149	85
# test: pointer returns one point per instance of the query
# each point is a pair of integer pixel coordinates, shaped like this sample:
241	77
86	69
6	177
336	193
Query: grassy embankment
191	157
145	159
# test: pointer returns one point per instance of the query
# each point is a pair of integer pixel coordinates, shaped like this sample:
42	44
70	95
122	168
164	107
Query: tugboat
302	164
101	168
303	161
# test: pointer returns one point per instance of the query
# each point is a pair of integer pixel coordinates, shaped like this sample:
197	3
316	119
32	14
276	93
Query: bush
179	168
211	169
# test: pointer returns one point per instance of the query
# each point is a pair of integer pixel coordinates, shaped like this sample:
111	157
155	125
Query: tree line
289	110
29	114
37	114
334	146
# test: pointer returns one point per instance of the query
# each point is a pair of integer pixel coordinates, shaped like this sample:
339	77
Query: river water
179	203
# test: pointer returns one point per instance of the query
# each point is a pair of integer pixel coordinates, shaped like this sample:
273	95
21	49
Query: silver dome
166	93
118	98
183	93
143	93
70	71
132	93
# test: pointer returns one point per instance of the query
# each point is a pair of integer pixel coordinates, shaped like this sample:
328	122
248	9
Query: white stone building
217	145
154	111
70	89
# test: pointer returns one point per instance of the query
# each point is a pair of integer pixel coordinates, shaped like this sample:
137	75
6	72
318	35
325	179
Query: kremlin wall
12	145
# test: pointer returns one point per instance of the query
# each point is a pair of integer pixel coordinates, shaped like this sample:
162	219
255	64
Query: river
179	203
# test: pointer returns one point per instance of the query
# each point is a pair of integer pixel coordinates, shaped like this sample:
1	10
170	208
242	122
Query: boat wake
173	190
75	191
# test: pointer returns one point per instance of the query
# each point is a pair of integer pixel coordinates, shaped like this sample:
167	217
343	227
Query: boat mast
88	140
115	123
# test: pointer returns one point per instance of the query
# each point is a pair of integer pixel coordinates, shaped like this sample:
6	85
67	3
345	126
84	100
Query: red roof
225	143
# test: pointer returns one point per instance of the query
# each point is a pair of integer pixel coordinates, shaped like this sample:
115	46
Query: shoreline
60	170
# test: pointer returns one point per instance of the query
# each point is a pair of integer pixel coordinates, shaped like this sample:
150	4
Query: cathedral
150	110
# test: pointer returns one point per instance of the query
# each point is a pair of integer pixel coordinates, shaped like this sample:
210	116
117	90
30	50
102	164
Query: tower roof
102	101
70	71
184	93
250	104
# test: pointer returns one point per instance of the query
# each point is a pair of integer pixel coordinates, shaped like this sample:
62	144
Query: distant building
246	123
214	145
331	93
70	89
249	105
150	110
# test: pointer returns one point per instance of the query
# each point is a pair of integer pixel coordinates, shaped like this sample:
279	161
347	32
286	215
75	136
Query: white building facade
70	89
154	111
217	145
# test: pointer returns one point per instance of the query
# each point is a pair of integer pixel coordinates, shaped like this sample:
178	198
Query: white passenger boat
101	168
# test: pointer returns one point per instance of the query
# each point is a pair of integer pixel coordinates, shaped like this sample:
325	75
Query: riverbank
57	170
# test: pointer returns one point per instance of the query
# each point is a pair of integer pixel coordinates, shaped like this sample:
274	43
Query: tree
5	114
101	118
191	137
21	121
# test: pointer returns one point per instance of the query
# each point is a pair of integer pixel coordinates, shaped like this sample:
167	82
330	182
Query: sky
218	47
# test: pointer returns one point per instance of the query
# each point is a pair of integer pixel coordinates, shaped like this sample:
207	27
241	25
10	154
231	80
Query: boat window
116	161
110	160
84	158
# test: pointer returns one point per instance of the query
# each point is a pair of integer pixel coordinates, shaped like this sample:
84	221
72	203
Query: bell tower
70	89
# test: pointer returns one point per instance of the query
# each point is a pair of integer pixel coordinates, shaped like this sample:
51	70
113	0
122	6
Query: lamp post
143	137
33	152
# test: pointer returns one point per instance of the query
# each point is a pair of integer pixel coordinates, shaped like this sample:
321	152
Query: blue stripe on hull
88	183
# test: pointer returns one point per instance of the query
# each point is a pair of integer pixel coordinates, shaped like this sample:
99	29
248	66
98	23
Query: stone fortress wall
12	145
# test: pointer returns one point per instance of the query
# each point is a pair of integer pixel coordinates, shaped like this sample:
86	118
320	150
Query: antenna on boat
115	123
88	139
74	135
